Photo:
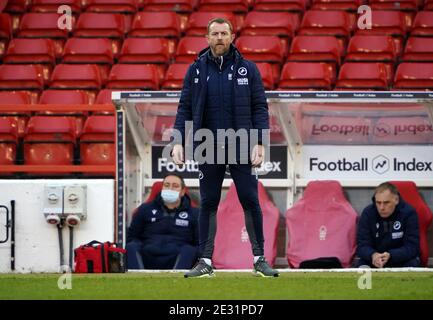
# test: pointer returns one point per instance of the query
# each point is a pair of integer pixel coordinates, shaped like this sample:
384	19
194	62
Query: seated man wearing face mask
163	233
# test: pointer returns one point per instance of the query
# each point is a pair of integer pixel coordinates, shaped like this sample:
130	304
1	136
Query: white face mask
170	196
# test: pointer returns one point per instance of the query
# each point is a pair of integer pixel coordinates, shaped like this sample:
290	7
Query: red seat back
197	22
409	192
307	76
414	75
133	76
174	76
363	76
321	224
232	245
155	24
189	48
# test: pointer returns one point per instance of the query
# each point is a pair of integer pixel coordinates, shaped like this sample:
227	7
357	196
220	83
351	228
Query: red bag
99	257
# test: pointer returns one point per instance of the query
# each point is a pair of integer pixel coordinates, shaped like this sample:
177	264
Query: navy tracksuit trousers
211	179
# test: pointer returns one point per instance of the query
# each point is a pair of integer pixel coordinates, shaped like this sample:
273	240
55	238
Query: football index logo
380	164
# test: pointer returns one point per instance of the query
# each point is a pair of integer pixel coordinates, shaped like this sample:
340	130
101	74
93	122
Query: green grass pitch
224	286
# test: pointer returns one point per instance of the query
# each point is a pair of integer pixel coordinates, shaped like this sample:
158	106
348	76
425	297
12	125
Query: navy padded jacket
162	231
250	108
398	234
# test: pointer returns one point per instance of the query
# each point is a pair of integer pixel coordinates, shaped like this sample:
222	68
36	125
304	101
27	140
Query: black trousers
211	178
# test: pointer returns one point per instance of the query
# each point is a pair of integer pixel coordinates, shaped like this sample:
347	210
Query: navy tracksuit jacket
225	93
163	238
398	234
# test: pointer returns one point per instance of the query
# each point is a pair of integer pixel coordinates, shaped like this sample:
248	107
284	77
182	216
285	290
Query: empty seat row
52	140
169	24
416	75
239	6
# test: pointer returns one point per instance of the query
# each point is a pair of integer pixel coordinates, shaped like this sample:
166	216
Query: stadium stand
232	247
321	225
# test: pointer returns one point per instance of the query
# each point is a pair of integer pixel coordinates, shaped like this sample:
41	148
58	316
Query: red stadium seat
174	76
409	192
31	51
321	224
363	48
87	50
18	98
392	23
282	24
155	24
347	5
17	6
197	22
5	32
407	5
76	76
280	5
53	5
65	97
414	76
423	24
232	246
418	49
49	141
189	48
363	76
8	140
307	76
21	77
133	76
326	23
94	25
169	5
261	48
428	5
236	6
42	25
97	145
113	6
104	97
266	73
147	50
316	49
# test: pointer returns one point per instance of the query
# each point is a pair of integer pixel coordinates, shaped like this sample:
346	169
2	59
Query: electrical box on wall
75	200
53	200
